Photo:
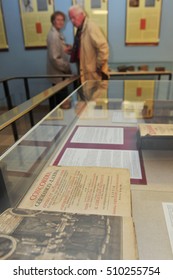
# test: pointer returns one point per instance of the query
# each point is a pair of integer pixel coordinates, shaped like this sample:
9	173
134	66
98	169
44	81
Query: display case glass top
95	103
98	125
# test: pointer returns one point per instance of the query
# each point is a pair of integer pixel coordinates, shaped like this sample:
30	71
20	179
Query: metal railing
11	116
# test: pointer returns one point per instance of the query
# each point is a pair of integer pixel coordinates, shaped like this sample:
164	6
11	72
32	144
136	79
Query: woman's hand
68	49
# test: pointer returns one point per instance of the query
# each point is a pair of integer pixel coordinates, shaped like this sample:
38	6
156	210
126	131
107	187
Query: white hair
77	9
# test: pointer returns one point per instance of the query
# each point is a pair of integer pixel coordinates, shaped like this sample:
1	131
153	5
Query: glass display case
100	127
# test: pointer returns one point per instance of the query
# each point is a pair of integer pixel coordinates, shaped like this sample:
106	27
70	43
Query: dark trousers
58	97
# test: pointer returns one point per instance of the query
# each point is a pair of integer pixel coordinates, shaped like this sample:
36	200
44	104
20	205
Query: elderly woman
57	50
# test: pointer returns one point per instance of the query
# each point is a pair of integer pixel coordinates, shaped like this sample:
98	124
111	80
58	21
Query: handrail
36	77
17	112
5	83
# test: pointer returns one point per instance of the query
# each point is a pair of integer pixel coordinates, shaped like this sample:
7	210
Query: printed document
99	135
168	211
104	158
84	190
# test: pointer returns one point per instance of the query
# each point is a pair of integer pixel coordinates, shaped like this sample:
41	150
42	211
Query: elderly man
90	49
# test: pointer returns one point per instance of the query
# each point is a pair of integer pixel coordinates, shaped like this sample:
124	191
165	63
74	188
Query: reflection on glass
93	100
94	90
149	3
139	98
134	3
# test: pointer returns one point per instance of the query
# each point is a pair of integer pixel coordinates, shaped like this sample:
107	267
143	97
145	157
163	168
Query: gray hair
77	8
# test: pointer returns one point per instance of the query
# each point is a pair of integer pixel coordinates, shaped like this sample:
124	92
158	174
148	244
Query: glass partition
118	124
95	103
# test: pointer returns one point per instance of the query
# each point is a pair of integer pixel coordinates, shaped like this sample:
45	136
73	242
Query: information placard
3	38
35	18
143	22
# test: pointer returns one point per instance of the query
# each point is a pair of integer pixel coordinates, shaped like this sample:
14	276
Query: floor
23	125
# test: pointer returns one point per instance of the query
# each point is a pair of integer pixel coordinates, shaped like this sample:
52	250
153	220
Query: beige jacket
94	52
57	59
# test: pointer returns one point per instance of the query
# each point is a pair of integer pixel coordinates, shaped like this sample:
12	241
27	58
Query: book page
87	190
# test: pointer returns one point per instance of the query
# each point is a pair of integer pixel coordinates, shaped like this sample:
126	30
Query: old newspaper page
156	129
41	235
84	190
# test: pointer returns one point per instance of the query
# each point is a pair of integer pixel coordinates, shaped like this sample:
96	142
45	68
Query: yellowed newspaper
72	213
84	190
156	129
33	235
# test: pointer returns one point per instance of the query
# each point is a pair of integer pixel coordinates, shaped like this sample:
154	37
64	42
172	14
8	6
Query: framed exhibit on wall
35	19
143	19
97	10
3	37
